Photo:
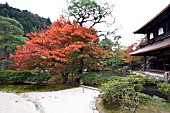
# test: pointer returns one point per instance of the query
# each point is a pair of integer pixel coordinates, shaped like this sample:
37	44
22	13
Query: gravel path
76	100
13	103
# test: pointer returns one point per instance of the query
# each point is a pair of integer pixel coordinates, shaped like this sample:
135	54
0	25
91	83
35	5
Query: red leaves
31	35
132	48
55	45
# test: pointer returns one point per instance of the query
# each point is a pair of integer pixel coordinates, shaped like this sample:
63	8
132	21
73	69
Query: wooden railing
155	71
155	39
159	38
143	68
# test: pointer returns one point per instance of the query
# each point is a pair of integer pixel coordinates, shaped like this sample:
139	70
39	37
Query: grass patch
21	88
147	105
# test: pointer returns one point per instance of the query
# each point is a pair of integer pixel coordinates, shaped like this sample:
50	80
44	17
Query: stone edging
88	87
37	104
97	108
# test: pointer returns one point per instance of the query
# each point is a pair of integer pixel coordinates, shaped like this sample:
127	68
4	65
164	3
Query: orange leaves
85	34
56	44
73	47
31	35
130	49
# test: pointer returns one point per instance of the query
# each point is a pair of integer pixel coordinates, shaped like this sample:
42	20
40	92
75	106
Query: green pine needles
11	35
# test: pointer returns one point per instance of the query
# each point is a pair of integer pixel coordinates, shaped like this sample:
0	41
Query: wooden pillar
148	37
164	63
157	60
145	63
166	27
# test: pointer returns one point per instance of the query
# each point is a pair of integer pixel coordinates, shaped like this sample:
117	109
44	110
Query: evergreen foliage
115	55
121	92
165	88
31	22
90	13
23	76
11	35
106	44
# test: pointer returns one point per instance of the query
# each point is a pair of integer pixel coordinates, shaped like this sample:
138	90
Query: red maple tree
62	48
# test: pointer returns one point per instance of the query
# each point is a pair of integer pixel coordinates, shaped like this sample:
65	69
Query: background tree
11	35
106	44
118	59
89	13
119	55
115	54
134	61
30	22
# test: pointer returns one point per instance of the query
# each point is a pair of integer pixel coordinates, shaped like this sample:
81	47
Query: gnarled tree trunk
5	61
65	77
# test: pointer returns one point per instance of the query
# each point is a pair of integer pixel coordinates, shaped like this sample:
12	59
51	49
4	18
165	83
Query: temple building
156	50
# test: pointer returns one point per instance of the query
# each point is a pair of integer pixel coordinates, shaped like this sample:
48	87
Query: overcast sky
130	14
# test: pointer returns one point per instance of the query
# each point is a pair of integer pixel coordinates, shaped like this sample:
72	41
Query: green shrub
122	91
116	79
144	98
23	76
119	95
39	77
3	77
90	78
58	79
139	81
19	76
15	76
164	88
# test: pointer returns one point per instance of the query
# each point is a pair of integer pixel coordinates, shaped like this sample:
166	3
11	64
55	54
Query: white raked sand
76	100
13	103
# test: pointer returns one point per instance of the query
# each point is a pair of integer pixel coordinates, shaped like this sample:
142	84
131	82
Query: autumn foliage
133	47
134	62
129	50
60	48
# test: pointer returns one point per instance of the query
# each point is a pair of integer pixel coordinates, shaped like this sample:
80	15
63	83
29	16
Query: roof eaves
139	30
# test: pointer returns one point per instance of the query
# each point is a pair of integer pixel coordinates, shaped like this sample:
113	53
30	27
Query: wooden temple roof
154	21
152	48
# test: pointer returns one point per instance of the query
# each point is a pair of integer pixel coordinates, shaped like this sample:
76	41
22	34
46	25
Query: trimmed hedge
23	76
3	78
15	76
122	92
39	77
164	88
90	78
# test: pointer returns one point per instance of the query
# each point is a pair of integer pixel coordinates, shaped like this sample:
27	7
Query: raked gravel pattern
13	103
75	100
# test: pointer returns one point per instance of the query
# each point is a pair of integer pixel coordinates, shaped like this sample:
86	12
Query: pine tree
11	32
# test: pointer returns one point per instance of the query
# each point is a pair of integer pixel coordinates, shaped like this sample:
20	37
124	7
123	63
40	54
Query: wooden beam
164	63
145	63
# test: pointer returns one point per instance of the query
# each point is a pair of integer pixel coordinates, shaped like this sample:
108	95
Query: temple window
160	31
151	35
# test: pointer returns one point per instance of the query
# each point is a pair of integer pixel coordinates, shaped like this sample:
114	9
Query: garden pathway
75	100
13	103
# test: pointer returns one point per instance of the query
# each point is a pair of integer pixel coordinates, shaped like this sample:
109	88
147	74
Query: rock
156	97
132	109
124	71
